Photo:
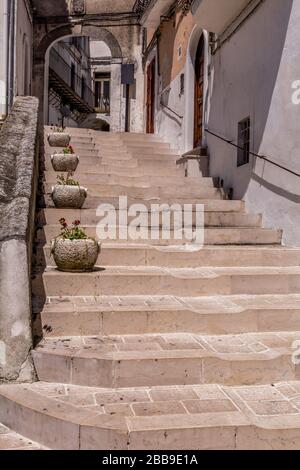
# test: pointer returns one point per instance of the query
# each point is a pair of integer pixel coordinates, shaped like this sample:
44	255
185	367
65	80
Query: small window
243	156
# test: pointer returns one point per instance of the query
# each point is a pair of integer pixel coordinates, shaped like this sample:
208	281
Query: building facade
71	97
209	76
16	39
225	74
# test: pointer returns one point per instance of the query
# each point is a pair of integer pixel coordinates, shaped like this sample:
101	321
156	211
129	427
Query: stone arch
94	32
42	48
103	34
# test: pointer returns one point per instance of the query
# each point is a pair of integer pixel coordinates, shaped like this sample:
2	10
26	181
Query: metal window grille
244	134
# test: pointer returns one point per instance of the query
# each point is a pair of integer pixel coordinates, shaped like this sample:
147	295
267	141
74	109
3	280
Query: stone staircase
161	347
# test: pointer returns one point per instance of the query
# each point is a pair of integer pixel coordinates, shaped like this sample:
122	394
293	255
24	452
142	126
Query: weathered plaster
17	202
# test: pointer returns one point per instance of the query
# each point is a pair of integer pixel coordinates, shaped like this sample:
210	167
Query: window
243	156
102	92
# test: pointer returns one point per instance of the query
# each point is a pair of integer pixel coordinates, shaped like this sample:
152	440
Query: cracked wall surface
18	176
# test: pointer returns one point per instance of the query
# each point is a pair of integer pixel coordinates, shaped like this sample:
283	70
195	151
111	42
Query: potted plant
66	161
58	137
73	250
68	193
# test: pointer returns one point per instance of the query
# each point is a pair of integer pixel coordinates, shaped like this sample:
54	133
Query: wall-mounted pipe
4	62
11	52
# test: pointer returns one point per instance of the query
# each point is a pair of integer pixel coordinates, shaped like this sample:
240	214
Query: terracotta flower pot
69	196
75	255
67	162
59	139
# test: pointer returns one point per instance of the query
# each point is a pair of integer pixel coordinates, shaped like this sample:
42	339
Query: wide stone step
132	137
172	281
175	237
210	205
99	190
176	183
113	254
10	440
137	146
86	156
136	315
80	148
144	155
97	162
121	170
203	417
211	219
169	359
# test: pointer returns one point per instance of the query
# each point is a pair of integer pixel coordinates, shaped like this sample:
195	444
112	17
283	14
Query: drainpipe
4	64
11	52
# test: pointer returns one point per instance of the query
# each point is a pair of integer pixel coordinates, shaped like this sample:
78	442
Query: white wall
253	76
3	62
22	53
99	49
23	71
168	124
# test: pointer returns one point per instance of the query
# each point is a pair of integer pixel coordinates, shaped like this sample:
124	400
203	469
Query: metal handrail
262	157
141	6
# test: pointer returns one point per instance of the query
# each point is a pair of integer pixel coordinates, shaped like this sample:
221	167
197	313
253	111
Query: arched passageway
124	47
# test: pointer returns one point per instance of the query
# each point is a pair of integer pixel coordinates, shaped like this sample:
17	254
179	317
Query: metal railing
71	78
261	157
141	6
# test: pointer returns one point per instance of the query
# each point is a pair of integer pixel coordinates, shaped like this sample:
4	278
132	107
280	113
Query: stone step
167	359
90	156
211	219
175	237
149	193
203	417
177	183
10	440
121	170
193	282
215	209
210	205
136	315
80	149
129	137
96	161
140	156
113	254
136	145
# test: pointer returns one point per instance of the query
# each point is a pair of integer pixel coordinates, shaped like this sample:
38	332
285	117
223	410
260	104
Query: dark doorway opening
151	97
199	94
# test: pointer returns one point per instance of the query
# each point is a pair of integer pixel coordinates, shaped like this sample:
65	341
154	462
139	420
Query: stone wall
18	181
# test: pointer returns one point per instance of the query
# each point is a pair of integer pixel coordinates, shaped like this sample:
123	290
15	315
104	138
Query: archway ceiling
46	8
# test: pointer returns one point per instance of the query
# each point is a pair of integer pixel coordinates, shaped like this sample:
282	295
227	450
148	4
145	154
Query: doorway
199	93
150	97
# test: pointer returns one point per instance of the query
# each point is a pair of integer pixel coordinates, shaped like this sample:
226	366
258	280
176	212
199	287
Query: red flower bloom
62	221
76	223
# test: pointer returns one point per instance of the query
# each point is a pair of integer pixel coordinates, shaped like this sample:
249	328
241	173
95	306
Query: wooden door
199	94
150	97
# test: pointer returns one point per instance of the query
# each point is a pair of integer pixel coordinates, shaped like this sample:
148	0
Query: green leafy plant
63	180
68	150
72	232
58	129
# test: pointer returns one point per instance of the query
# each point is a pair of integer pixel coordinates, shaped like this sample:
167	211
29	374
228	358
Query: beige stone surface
161	347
